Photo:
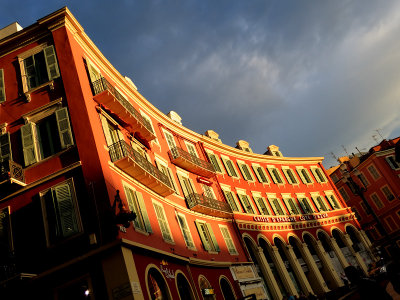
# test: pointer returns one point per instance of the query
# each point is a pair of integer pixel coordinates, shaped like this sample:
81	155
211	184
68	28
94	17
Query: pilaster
283	273
329	269
305	285
338	252
268	275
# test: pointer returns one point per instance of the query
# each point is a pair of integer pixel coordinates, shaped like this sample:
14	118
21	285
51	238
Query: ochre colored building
376	176
103	196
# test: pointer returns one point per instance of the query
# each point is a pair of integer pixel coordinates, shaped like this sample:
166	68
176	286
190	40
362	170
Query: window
290	177
276	177
167	171
262	206
61	213
245	171
186	185
208	191
344	194
215	162
319	203
260	173
170	139
244	199
318	174
276	206
147	120
230	198
5	147
377	201
39	67
207	236
391	224
2	87
335	178
304	175
228	239
46	136
230	168
111	130
388	193
136	204
374	173
365	208
305	205
363	180
191	149
332	200
391	160
187	236
162	221
291	206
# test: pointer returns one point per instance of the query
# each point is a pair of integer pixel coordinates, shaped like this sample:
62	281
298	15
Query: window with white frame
363	179
163	222
374	173
2	87
260	173
230	167
207	236
137	205
230	198
388	193
162	166
318	174
305	204
344	194
276	205
332	200
275	175
187	236
244	169
291	205
186	185
261	204
391	160
45	133
61	212
290	177
244	199
170	139
191	149
304	175
228	239
38	66
214	161
208	191
319	202
376	200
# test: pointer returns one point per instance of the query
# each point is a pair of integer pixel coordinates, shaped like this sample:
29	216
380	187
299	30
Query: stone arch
359	246
305	232
279	237
154	274
336	228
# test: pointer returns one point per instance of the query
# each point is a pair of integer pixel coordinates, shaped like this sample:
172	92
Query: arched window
226	289
184	289
157	286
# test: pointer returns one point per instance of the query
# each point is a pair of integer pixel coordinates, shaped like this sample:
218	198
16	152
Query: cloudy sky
308	76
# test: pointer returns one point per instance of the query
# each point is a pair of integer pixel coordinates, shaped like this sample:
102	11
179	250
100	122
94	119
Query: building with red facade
370	184
103	196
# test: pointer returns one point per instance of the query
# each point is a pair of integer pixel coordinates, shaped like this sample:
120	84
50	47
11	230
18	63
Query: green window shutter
247	175
291	176
143	212
228	240
246	204
213	239
278	207
132	206
260	174
230	200
5	147
30	72
64	127
292	207
185	231
170	140
51	62
303	179
162	222
231	168
261	205
192	150
214	162
67	215
202	229
2	87
106	130
28	133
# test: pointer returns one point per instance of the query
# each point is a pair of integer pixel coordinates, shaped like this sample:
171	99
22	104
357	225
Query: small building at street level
103	196
370	183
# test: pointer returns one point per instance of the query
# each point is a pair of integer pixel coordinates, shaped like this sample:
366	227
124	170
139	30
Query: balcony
208	206
11	172
133	163
191	163
106	94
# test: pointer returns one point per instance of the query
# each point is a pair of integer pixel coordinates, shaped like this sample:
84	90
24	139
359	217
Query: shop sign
204	181
207	292
243	272
289	218
167	271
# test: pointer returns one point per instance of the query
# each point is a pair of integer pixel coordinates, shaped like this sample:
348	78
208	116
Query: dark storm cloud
304	75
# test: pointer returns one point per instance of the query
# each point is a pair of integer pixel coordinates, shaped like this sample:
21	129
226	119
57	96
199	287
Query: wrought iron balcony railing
191	163
209	206
102	85
10	170
133	163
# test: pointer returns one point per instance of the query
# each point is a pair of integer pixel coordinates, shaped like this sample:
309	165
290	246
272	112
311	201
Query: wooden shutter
106	130
214	162
231	168
231	200
246	204
213	239
185	230
192	149
245	172
66	210
202	229
29	77
5	147
143	212
278	207
51	62
2	87
130	198
261	206
228	240
170	140
64	127
28	134
162	222
261	176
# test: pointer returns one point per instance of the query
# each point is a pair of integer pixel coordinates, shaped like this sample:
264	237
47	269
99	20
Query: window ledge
27	94
140	231
50	157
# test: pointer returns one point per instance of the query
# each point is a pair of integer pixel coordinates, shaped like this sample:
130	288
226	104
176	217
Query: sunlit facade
105	197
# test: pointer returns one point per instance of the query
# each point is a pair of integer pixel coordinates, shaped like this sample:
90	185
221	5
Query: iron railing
179	152
102	85
197	199
122	149
10	169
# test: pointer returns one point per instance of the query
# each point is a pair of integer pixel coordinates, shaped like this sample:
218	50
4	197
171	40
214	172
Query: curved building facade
105	197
